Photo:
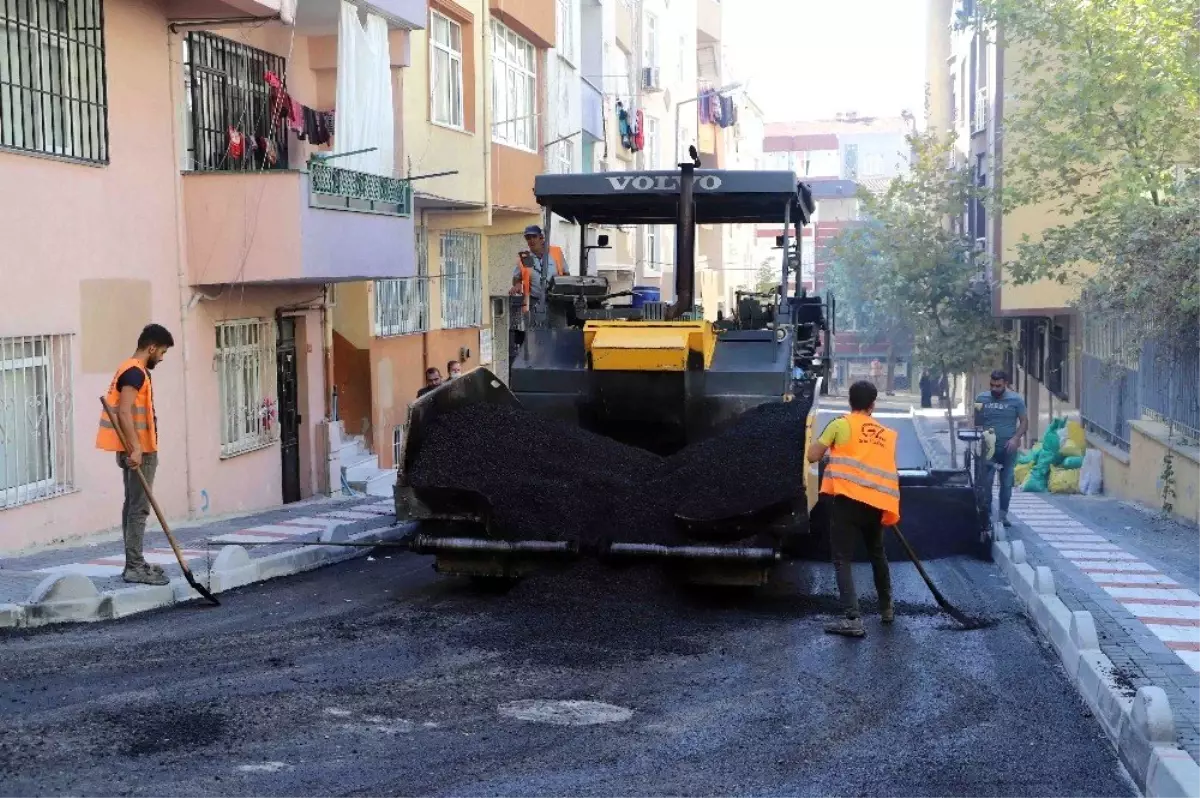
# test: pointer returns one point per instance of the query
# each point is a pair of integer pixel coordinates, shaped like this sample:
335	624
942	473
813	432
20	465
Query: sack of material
1091	476
1072	462
1021	473
1070	449
1076	434
1064	480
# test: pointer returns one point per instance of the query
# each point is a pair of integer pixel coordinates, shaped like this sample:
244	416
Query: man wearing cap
531	269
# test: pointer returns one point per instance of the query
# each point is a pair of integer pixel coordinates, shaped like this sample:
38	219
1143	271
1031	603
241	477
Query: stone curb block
70	597
1172	774
63	597
11	616
1141	728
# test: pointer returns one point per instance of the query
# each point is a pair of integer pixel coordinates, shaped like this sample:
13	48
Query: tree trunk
890	380
950	419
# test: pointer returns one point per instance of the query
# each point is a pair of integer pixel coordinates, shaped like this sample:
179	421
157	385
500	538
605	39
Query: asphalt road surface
381	678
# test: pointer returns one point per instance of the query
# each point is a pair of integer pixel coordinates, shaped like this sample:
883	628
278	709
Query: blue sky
809	59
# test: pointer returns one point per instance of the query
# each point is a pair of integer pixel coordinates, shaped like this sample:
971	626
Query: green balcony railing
334	188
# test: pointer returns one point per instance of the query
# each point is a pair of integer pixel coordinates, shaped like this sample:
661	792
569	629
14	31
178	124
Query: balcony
708	20
321	226
592	105
321	16
229	9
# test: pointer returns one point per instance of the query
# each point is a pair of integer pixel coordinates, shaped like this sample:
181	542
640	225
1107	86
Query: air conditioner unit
651	80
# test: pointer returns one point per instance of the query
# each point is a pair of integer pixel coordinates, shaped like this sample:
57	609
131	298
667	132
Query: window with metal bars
36	430
245	365
232	124
462	279
52	84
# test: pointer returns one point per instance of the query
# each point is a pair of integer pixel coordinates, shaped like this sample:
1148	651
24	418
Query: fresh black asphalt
378	677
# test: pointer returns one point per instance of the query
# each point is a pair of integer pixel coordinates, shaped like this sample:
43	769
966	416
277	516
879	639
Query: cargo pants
851	521
136	509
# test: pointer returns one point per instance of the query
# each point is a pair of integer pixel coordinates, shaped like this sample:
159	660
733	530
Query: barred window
462	279
245	364
228	95
52	83
36	430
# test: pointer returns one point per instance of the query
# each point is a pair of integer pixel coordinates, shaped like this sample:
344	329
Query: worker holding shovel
131	394
862	481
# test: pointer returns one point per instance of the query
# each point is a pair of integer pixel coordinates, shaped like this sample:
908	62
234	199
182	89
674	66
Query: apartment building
165	161
1060	361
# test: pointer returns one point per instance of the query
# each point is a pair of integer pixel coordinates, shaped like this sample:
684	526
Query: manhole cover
565	713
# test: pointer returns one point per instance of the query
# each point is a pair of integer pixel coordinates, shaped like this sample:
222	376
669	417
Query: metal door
289	409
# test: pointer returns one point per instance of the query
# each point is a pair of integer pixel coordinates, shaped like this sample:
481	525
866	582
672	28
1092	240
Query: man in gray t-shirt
1004	412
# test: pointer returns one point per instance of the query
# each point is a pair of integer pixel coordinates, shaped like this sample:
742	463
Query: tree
914	269
766	279
863	278
1100	112
1100	119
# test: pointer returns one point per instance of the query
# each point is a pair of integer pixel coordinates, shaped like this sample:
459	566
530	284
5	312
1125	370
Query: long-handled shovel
954	612
187	572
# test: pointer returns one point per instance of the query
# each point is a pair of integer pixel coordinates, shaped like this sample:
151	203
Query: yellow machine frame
648	345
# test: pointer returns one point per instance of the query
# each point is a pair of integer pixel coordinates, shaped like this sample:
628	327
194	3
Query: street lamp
722	90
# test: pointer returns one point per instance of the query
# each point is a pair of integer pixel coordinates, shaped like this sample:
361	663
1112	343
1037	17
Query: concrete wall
1137	475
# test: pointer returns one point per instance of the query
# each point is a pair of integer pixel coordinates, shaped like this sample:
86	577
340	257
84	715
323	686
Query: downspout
181	275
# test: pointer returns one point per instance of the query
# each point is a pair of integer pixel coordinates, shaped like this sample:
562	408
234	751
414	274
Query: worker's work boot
887	613
145	574
1004	519
847	627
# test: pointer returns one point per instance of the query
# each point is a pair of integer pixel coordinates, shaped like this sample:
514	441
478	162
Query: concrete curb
1140	727
68	597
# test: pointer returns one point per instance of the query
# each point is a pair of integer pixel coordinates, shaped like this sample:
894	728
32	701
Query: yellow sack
1021	472
1064	480
1077	435
1070	449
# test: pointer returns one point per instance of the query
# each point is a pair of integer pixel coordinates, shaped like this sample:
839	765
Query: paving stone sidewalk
102	559
1137	572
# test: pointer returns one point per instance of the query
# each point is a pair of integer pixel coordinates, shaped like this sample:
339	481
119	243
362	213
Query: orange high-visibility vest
865	468
143	413
556	254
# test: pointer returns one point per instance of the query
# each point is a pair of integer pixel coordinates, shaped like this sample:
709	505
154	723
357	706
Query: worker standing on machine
862	479
531	272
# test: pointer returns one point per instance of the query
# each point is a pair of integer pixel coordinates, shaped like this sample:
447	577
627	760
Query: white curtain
364	95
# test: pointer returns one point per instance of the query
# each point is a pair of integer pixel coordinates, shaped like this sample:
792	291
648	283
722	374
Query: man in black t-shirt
433	378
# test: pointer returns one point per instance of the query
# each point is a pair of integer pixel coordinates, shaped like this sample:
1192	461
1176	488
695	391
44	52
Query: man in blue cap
531	269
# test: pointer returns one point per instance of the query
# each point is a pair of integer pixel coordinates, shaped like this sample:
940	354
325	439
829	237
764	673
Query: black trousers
851	521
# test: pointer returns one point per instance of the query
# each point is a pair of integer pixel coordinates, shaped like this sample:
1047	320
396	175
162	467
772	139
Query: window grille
36	430
245	364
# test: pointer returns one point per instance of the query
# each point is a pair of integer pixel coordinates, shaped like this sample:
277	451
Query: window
566	37
35	418
651	141
401	306
625	60
650	50
651	261
445	70
850	162
514	89
462	279
52	82
226	91
564	160
245	361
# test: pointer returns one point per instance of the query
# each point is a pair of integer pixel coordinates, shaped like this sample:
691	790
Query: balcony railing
339	189
979	119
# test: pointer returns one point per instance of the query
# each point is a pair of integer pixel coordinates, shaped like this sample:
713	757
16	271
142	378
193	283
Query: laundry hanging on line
308	124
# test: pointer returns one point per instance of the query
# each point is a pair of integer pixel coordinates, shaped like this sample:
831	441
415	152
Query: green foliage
766	280
1101	105
905	271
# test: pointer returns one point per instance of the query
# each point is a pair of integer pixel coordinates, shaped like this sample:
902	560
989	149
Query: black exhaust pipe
685	240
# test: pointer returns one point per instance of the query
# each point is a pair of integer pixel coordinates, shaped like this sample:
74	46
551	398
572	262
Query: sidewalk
1135	571
82	581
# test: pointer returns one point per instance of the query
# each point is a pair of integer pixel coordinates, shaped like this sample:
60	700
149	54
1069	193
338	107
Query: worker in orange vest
864	489
131	395
531	271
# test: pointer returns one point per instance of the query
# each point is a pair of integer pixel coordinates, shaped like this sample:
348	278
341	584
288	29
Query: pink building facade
126	200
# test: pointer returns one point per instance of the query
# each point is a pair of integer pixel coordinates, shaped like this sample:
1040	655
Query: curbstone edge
63	597
1149	725
1172	774
11	616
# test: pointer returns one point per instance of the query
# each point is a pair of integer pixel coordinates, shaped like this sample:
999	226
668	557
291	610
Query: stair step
363	469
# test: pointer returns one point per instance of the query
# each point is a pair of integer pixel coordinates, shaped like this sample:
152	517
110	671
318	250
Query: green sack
1026	457
1050	441
1073	462
1036	482
1044	460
